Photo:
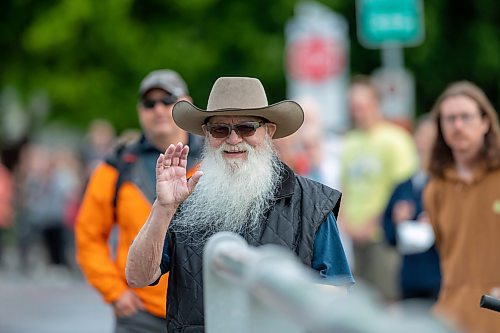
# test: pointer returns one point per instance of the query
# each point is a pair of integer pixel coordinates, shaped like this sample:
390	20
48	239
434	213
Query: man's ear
271	129
204	128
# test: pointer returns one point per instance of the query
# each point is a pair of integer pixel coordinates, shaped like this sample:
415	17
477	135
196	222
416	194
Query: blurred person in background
6	202
302	150
70	172
97	144
310	141
305	150
286	149
462	200
26	174
407	227
119	195
316	153
376	156
47	182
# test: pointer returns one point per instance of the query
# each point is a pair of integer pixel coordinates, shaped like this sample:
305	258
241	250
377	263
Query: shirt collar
478	174
287	183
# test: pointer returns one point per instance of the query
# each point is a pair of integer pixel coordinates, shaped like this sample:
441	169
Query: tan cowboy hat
239	96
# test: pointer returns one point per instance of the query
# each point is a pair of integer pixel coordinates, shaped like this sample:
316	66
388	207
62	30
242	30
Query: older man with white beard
242	187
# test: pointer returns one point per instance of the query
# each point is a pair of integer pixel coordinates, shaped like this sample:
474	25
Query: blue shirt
328	255
329	258
420	273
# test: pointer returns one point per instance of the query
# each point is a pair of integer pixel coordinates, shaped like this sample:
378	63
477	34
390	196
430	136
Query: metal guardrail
267	289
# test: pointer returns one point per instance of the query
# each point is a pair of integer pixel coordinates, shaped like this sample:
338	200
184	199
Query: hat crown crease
241	93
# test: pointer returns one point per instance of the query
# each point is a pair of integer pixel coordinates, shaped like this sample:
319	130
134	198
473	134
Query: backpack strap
122	159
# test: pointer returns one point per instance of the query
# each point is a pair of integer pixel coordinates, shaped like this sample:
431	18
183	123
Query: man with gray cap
241	187
119	195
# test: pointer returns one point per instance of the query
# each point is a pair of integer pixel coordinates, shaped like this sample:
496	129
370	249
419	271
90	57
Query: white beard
232	195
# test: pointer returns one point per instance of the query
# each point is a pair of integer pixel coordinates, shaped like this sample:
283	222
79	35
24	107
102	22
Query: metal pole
392	57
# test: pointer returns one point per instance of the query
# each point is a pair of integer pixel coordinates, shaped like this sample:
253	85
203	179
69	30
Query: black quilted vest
300	208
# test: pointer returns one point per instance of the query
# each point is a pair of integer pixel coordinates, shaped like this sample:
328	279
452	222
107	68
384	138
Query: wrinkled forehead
231	119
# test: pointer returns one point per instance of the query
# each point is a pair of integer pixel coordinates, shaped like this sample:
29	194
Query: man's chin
234	165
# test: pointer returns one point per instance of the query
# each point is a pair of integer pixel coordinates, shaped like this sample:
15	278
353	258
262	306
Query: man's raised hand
172	187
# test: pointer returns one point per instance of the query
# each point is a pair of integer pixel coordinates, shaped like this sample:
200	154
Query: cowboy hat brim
287	115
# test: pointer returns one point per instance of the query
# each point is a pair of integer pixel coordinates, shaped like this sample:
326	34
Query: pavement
49	300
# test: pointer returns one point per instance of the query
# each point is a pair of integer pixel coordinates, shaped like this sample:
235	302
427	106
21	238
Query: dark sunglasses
167	100
220	131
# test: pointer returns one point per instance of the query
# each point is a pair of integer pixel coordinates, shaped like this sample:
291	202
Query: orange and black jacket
118	196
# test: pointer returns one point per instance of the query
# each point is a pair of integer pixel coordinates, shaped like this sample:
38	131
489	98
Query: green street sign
390	22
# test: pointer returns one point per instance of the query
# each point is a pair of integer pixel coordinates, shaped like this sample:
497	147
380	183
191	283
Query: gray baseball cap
165	79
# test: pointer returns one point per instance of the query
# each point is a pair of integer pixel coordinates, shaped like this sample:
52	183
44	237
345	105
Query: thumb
136	302
194	180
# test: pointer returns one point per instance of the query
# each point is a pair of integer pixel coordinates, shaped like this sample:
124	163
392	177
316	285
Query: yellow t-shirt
372	163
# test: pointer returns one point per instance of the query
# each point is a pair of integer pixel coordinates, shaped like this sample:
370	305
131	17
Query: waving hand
172	187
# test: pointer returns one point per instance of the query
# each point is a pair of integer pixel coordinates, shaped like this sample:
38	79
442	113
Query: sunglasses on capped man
151	103
221	131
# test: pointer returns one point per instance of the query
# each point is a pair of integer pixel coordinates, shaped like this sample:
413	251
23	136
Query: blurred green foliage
90	55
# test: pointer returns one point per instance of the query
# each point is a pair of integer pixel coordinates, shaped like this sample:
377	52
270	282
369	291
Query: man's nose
160	107
233	138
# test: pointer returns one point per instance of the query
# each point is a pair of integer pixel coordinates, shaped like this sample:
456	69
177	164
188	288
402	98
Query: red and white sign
314	59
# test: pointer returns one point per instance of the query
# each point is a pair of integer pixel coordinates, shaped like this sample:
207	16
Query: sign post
316	60
390	25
